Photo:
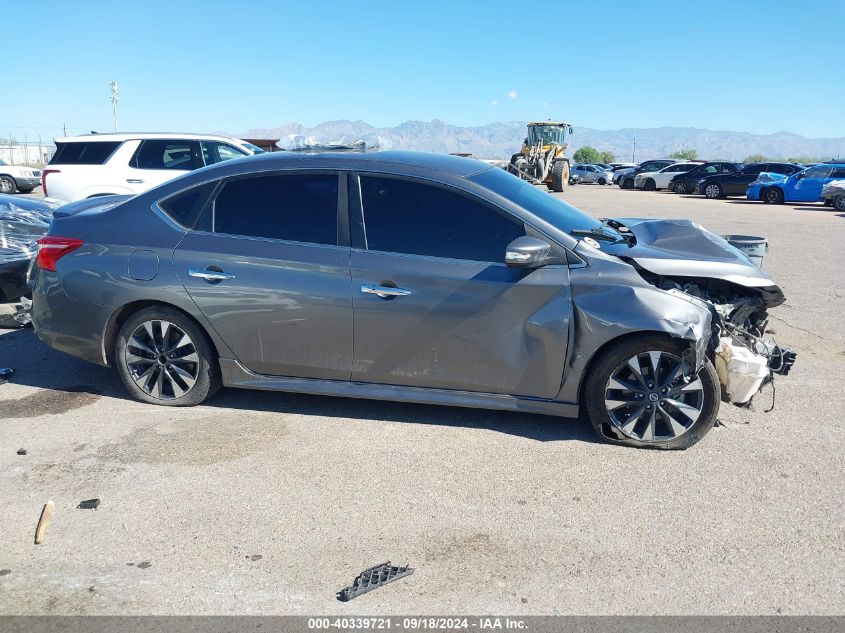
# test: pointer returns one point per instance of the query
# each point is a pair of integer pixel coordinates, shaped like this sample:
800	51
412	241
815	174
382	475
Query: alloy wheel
648	399
162	359
712	191
5	185
839	203
680	187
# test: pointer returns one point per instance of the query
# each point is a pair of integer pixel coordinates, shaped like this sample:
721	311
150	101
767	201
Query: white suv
103	164
14	178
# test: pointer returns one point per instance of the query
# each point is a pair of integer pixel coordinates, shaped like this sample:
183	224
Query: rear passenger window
838	172
419	219
163	155
83	152
293	207
184	208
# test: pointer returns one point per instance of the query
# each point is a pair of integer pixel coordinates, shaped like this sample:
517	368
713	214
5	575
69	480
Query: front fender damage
611	300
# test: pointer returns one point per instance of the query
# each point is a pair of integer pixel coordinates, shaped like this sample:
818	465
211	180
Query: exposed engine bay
745	358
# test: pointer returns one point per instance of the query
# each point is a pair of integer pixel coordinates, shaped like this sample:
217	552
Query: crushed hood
682	248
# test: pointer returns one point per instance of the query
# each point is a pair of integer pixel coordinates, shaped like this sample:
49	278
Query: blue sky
756	66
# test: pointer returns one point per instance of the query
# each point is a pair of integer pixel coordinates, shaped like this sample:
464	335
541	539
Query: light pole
114	98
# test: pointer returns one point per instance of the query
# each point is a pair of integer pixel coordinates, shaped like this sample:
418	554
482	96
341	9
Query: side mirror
527	252
799	175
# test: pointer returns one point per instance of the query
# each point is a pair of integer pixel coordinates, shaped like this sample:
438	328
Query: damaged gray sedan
413	277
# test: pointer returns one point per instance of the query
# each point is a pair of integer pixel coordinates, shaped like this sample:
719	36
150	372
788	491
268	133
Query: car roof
130	136
389	160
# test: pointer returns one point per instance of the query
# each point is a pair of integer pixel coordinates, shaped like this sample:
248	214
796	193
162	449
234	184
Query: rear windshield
83	152
536	200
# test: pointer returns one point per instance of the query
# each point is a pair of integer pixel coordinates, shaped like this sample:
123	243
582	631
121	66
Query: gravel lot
270	503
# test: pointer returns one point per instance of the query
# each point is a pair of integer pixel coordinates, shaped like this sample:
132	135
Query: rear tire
678	418
772	195
602	181
839	203
163	357
680	187
8	184
627	183
649	185
560	175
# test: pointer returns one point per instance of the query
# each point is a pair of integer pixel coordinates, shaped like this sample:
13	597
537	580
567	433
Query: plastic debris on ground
373	578
21	451
6	374
89	504
347	142
741	372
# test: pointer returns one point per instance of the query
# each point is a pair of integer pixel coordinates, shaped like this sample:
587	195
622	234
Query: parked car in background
653	180
735	183
625	177
291	272
18	178
117	164
592	173
617	166
688	182
805	186
833	193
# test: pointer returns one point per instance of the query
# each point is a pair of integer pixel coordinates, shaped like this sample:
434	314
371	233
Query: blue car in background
804	186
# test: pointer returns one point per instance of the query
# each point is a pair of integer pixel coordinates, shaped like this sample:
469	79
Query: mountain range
500	140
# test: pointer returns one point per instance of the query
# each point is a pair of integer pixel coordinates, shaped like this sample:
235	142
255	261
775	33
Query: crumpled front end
745	358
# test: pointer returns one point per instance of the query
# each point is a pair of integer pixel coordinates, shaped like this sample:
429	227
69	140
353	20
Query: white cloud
494	102
512	94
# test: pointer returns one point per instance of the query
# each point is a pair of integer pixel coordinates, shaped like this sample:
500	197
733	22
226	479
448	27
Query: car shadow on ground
37	365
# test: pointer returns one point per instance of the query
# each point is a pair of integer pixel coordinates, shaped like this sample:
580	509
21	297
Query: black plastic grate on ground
373	578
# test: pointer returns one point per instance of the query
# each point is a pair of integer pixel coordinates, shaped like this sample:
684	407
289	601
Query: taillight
51	249
44	174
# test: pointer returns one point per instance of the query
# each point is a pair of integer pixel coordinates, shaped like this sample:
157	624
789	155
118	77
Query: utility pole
64	129
114	98
634	151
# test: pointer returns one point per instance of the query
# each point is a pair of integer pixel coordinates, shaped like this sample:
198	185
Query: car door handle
384	292
134	181
210	275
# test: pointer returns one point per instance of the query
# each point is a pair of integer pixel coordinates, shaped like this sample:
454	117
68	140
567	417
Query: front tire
680	187
635	396
164	357
839	203
560	175
627	183
713	191
8	184
649	185
602	181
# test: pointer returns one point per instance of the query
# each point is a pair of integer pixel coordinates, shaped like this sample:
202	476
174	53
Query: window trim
210	206
358	223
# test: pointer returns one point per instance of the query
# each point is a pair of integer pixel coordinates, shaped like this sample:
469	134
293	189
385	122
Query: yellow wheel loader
541	159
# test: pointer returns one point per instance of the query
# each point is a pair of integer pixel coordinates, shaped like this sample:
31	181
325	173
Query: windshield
254	148
3	162
536	200
548	133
